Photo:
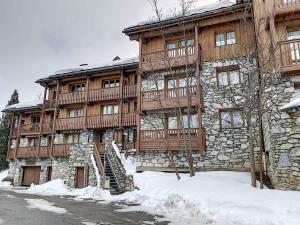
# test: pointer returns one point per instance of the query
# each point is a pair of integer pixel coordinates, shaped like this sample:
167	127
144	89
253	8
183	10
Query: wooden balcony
72	97
61	150
30	128
169	98
11	154
76	123
128	119
129	91
283	7
172	139
164	59
290	56
44	152
104	94
103	121
27	152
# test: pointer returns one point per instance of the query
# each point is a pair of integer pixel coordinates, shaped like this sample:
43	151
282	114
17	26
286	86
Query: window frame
81	86
110	81
225	34
113	107
76	110
231	111
73	135
177	44
228	70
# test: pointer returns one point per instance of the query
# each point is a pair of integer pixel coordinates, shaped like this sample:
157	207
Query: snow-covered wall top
195	11
89	68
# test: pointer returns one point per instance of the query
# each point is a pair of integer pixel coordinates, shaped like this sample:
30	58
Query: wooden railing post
54	119
121	98
42	121
10	136
139	89
18	135
86	102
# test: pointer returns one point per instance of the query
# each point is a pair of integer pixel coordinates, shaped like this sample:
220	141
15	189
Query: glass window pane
220	39
183	82
234	77
194	121
226	119
184	121
237	119
72	113
172	122
171	45
223	78
231	38
171	84
293	34
116	109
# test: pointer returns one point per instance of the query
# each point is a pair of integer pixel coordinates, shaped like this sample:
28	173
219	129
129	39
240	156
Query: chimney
116	58
84	64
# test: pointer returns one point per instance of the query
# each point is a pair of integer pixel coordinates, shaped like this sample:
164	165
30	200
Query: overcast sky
39	37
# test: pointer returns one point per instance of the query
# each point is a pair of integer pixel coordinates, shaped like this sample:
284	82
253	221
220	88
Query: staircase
113	185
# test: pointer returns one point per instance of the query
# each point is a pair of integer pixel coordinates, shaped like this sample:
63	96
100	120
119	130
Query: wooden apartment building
162	103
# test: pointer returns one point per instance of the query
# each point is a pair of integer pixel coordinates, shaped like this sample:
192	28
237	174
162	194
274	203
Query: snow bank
129	164
213	198
293	104
44	205
3	175
59	188
96	170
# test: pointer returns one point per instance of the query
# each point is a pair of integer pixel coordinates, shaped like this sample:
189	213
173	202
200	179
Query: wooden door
49	173
31	175
79	180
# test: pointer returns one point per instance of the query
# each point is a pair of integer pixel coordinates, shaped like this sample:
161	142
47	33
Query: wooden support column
86	102
10	135
42	121
18	135
54	119
199	89
139	96
121	98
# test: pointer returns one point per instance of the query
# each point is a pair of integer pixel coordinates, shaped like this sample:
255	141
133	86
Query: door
49	173
79	180
31	175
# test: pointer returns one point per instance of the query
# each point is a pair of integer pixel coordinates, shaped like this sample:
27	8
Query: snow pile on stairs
219	198
3	175
59	188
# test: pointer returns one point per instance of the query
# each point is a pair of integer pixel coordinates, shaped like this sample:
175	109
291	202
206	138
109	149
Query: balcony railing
61	150
47	127
103	121
169	57
169	98
290	55
72	97
76	123
128	119
50	104
44	152
27	152
171	139
100	94
286	6
30	128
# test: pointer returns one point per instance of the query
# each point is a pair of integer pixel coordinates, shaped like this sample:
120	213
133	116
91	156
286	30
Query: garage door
31	175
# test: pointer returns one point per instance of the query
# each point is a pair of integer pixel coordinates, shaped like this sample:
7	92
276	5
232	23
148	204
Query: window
184	47
73	138
231	119
110	109
294	48
228	76
35	119
34	142
174	122
111	83
228	38
77	87
76	113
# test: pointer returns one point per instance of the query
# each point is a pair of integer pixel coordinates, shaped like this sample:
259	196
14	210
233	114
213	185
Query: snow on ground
212	198
3	175
59	188
1	221
293	104
44	205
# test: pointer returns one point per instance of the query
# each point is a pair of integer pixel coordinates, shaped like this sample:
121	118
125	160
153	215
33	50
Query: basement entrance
31	175
79	179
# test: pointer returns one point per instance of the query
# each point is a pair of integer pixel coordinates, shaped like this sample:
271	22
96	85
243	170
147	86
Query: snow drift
3	175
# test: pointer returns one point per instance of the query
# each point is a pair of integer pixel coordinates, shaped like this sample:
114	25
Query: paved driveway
14	210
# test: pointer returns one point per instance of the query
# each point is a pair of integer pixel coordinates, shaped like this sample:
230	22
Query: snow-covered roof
197	11
96	67
24	105
293	104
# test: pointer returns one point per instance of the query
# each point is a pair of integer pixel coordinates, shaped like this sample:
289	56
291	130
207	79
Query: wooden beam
139	96
121	98
10	135
86	101
54	119
18	135
42	121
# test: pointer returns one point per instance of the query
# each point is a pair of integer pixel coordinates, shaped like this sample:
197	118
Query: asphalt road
14	210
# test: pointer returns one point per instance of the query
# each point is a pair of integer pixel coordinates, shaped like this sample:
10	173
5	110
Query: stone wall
282	137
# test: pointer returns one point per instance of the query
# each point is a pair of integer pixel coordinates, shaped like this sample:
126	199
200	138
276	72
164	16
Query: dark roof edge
83	71
171	21
21	109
